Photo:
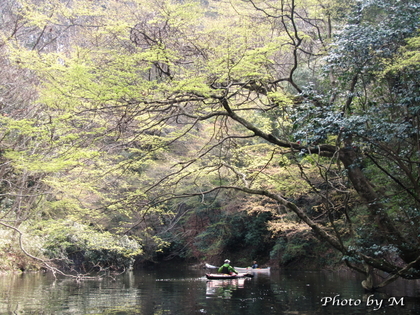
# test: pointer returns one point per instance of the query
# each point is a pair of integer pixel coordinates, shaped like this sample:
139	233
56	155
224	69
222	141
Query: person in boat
227	268
254	265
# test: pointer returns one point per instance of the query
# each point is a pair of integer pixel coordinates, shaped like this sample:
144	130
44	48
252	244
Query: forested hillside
283	131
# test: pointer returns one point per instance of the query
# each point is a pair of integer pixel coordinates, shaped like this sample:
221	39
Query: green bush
82	247
13	258
236	233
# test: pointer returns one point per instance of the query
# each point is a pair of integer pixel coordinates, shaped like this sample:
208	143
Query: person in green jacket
227	268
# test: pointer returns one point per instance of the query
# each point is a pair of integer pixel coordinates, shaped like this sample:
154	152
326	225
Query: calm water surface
180	290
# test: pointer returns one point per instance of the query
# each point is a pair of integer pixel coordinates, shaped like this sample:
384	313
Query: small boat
210	266
244	269
250	269
221	276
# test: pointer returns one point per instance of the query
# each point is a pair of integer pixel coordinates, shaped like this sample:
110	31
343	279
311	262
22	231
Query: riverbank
18	262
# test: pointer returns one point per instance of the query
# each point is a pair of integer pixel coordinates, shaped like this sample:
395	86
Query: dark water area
182	290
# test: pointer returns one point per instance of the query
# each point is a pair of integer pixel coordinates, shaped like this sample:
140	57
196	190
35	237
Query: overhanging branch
291	206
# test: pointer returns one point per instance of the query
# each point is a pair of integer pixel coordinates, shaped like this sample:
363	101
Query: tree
372	116
51	161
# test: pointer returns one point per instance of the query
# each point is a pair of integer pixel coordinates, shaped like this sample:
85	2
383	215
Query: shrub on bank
76	246
13	258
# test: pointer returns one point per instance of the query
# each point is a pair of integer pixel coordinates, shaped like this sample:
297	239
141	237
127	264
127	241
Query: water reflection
223	288
179	290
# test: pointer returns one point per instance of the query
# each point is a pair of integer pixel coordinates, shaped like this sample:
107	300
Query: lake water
180	290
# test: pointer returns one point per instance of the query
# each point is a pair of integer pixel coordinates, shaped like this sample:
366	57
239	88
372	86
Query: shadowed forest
134	132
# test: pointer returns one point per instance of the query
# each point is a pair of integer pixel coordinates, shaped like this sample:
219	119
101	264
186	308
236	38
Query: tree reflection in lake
182	291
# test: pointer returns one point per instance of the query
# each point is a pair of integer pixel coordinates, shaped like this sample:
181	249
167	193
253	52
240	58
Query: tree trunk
389	232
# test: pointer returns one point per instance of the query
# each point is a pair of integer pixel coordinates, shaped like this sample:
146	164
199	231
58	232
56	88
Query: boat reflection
224	288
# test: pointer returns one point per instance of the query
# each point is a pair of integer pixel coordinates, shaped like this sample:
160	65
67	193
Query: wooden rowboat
221	276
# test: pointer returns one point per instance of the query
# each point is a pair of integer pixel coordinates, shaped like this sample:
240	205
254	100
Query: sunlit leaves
408	57
64	239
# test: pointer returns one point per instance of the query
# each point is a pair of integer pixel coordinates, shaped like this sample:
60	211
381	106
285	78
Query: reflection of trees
39	294
150	293
295	290
175	293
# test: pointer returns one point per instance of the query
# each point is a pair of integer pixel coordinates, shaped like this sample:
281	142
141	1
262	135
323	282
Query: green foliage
235	233
13	258
301	250
82	247
373	114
